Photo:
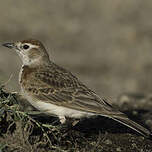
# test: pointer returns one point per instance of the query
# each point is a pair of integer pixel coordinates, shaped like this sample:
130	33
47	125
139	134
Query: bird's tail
131	124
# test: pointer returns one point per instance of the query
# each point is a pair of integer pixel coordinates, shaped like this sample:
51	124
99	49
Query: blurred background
107	44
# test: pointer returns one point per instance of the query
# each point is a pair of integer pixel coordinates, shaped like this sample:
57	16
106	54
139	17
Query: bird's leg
68	127
68	121
62	119
71	122
75	122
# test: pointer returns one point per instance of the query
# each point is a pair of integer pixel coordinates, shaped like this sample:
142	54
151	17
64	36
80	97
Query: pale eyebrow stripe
31	45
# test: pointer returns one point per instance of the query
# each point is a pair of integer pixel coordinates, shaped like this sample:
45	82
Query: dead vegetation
21	131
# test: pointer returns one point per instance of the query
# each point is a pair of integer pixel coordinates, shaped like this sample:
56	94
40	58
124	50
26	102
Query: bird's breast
25	75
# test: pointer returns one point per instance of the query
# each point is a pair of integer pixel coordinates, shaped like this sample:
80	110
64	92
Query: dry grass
21	131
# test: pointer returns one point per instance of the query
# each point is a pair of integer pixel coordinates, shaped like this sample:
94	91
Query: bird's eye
25	47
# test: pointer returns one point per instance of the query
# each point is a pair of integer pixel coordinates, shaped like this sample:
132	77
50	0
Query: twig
5	83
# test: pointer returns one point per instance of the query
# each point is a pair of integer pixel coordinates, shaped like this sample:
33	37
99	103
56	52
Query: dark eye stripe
25	47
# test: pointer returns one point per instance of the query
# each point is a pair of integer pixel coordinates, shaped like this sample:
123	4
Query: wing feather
58	86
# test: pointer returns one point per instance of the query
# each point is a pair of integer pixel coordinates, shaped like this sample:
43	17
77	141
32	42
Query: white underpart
20	74
59	111
27	61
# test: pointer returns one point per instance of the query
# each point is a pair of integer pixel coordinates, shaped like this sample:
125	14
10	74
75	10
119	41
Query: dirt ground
23	131
107	44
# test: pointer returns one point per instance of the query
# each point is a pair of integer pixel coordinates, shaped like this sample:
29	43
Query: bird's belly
59	110
56	110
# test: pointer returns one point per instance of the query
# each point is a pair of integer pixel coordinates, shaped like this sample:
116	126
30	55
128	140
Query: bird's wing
62	88
58	86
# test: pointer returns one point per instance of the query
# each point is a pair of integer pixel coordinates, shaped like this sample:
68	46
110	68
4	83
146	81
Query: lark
56	91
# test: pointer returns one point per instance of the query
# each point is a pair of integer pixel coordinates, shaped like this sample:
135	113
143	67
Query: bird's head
31	51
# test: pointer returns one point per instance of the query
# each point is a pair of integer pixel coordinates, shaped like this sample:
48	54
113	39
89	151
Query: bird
56	91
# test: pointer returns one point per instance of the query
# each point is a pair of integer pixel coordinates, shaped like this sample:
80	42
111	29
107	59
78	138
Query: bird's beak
9	45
